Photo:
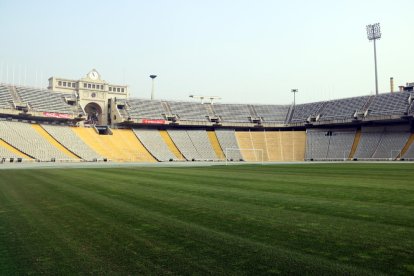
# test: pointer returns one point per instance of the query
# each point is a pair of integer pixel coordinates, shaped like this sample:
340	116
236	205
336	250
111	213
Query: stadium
313	216
90	120
97	178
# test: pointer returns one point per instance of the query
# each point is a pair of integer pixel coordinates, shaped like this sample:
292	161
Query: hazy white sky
243	51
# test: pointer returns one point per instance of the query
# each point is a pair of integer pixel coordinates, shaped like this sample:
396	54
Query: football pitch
318	219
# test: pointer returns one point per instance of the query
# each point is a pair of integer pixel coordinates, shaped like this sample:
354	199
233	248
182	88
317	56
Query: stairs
355	144
170	144
15	95
407	145
215	144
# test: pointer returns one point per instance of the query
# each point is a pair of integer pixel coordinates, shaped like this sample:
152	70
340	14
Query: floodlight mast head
374	31
294	91
152	89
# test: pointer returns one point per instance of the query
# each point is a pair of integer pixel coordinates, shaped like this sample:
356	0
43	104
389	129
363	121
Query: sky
242	51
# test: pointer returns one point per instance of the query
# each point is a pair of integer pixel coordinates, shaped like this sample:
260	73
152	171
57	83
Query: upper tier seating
145	109
154	143
26	139
232	112
228	143
389	104
65	136
343	108
5	97
272	113
302	112
190	111
44	100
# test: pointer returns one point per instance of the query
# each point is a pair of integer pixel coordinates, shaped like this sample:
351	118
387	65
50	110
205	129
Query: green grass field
249	219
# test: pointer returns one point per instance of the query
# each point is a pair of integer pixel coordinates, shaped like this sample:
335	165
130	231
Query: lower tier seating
24	137
65	136
327	144
154	143
121	146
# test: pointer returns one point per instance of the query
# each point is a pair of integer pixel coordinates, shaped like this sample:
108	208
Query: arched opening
94	114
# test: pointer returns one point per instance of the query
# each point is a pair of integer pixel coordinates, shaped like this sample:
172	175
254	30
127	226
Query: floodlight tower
294	91
152	90
374	33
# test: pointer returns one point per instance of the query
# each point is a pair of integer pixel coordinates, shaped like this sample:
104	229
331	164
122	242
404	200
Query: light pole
294	91
152	90
374	33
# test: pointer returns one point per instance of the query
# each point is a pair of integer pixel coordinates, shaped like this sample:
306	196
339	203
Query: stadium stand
370	138
170	144
247	128
317	144
154	143
193	144
293	144
24	137
228	141
44	100
202	144
65	136
184	144
215	144
408	150
389	104
121	146
272	113
302	112
392	141
232	112
274	145
329	144
380	143
343	108
145	109
6	153
5	97
340	144
259	142
189	110
247	150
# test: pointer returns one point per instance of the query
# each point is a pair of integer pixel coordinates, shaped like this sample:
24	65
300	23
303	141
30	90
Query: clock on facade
93	75
93	95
